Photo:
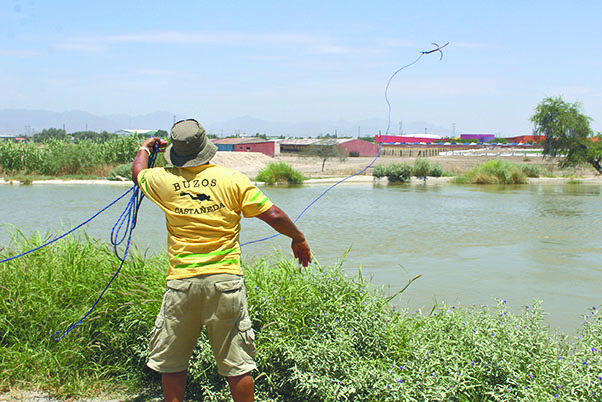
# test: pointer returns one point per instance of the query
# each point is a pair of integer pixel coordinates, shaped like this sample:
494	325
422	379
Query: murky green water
470	244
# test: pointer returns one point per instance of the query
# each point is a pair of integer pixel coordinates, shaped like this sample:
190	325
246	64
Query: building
297	145
526	138
478	137
128	131
357	147
248	144
408	138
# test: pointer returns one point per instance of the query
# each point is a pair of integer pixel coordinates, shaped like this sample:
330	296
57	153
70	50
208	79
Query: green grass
321	335
278	173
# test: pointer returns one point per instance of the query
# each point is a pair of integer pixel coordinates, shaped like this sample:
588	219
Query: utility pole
358	131
454	129
401	128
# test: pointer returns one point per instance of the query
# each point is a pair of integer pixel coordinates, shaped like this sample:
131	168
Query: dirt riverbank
250	163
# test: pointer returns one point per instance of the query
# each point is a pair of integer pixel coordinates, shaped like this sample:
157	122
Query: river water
471	244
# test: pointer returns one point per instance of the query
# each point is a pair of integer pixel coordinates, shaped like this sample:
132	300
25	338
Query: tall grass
280	172
321	336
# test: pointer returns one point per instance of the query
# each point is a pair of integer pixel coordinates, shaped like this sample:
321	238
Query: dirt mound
249	163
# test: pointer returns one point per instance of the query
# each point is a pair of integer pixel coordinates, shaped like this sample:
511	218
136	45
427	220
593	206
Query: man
203	203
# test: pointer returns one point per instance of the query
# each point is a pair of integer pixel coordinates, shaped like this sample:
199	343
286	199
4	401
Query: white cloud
19	52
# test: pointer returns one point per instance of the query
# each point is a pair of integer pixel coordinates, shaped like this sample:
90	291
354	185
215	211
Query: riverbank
250	163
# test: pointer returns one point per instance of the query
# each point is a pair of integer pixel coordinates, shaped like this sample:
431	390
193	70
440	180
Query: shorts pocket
230	294
176	297
246	330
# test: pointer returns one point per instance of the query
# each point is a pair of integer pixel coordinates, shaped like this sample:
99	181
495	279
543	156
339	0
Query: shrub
423	169
124	171
399	172
280	172
531	170
379	171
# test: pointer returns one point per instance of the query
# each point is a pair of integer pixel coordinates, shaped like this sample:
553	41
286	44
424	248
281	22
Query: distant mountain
23	121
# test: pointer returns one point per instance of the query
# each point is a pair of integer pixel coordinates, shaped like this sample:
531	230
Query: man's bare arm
280	221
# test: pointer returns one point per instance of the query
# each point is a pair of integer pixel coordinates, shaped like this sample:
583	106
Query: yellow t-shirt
203	207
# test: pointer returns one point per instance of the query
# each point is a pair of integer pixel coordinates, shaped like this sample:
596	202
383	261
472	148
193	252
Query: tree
567	133
325	150
50	133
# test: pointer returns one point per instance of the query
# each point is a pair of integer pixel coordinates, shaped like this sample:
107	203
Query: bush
124	171
280	172
531	170
399	172
497	171
379	171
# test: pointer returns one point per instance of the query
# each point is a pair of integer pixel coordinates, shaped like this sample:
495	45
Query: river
471	244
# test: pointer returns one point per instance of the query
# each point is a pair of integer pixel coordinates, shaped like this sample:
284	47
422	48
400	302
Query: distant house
527	138
10	137
248	144
128	131
297	145
7	137
408	138
357	147
478	137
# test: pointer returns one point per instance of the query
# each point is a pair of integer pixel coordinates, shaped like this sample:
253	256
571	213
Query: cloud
19	52
96	43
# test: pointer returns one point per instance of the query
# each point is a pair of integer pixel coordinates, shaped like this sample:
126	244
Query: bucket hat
189	145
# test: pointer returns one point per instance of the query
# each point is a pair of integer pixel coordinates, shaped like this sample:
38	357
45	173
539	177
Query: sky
304	61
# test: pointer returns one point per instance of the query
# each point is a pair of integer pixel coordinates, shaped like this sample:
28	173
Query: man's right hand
302	252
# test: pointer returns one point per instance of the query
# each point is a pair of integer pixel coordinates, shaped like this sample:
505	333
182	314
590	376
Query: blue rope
364	169
70	231
129	217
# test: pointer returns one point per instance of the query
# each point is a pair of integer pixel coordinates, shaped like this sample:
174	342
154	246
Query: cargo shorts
218	302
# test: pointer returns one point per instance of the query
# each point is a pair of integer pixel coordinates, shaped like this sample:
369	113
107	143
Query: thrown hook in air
437	49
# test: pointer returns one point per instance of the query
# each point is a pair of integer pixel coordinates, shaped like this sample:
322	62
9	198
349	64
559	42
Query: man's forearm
280	221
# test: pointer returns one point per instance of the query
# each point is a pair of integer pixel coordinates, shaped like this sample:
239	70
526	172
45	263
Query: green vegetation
499	171
64	157
280	172
121	171
402	172
321	336
567	133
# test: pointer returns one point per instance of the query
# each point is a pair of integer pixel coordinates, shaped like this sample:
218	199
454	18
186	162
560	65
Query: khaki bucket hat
189	145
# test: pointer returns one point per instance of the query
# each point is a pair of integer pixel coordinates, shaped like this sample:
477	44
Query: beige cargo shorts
218	302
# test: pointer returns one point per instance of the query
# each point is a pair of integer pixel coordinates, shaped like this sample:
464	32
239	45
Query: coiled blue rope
129	218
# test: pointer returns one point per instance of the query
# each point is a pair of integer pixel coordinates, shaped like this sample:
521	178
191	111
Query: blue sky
300	61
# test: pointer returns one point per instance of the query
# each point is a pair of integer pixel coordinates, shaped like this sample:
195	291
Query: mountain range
28	122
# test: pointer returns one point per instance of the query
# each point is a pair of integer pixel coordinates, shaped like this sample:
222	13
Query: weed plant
321	335
279	173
